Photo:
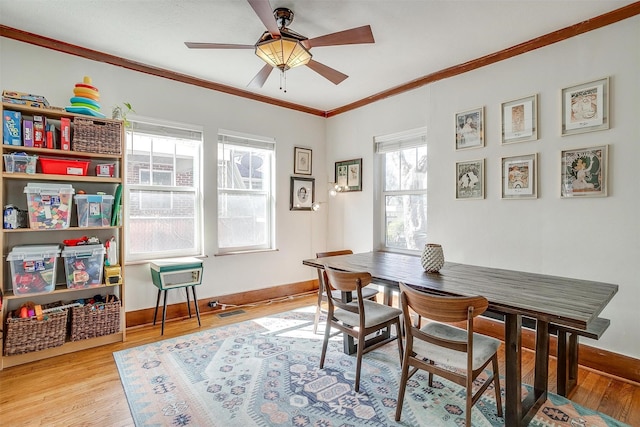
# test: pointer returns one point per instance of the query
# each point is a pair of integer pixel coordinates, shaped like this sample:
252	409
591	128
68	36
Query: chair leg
496	385
399	338
359	354
469	399
316	320
403	384
325	343
430	376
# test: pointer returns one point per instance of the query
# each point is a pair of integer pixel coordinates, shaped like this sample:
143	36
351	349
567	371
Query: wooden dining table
514	294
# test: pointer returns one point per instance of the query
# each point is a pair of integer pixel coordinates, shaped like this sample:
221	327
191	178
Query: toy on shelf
85	99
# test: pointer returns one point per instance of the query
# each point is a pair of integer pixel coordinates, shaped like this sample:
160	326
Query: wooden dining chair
367	293
359	317
439	348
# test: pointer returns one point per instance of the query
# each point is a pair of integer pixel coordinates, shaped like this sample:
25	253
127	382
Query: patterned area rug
265	372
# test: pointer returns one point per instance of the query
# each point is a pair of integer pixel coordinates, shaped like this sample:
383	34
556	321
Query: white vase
432	258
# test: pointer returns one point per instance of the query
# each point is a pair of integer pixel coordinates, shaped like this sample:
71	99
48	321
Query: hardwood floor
84	389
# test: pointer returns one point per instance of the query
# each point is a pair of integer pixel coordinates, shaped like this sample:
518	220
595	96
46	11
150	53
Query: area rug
265	372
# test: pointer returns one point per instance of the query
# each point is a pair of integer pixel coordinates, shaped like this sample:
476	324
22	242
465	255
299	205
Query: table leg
195	301
513	368
541	380
164	312
155	313
188	302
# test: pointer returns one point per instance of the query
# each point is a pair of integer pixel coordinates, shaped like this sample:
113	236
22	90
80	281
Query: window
246	201
402	166
163	190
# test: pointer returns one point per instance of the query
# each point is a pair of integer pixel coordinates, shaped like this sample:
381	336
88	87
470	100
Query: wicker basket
27	335
89	322
97	136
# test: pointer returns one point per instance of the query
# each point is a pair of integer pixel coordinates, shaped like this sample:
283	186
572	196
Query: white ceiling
413	38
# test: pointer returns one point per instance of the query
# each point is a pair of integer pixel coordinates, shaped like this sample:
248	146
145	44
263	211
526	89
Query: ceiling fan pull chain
283	76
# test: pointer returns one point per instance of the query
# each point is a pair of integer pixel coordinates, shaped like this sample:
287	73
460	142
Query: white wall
31	69
591	238
595	238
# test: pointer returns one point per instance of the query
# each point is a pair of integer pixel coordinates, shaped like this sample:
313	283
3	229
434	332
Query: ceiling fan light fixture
283	53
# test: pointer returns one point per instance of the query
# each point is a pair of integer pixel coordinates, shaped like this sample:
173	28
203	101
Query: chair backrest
345	281
334	253
445	309
321	274
441	308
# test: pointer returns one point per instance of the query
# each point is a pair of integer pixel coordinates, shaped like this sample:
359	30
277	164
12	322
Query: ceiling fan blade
263	9
353	36
261	77
194	45
335	76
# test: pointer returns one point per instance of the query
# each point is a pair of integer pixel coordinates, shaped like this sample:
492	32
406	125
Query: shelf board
53	177
67	347
51	112
30	230
60	289
58	153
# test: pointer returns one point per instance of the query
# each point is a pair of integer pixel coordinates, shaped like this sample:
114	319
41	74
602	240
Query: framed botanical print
519	177
302	161
348	175
470	129
585	107
520	120
302	193
584	172
470	180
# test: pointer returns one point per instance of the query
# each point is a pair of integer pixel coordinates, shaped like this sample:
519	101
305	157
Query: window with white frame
163	190
246	200
402	163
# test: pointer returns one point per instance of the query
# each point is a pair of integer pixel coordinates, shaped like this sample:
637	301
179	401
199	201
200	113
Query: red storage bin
64	166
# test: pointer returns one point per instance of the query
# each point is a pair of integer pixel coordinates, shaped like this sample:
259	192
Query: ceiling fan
283	48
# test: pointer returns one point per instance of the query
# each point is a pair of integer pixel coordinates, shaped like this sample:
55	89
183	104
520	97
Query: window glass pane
161	221
245	200
414	168
243	220
243	168
406	221
392	171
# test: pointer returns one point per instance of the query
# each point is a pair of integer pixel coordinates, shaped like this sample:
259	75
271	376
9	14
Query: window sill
252	251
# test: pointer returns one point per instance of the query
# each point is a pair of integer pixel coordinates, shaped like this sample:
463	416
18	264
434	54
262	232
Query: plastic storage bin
33	268
94	210
20	163
83	265
49	205
63	166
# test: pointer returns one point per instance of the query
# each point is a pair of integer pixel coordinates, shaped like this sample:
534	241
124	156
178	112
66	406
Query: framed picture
302	193
302	161
470	129
470	180
584	172
585	107
349	175
520	120
519	177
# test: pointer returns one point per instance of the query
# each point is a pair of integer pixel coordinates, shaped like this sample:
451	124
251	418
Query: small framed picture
470	129
348	175
470	180
302	193
585	107
584	172
519	177
301	161
520	120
